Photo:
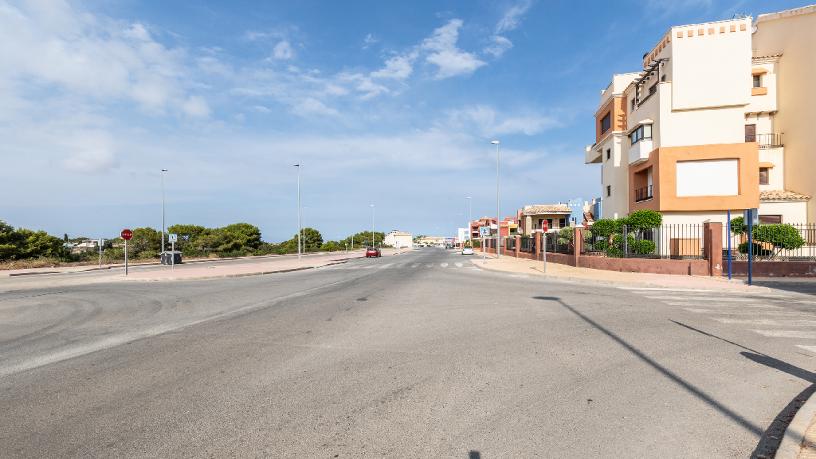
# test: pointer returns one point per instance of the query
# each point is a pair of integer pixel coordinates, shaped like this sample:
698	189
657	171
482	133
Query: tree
146	242
312	240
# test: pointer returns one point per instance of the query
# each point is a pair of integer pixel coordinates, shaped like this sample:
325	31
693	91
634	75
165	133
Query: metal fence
778	247
673	241
527	244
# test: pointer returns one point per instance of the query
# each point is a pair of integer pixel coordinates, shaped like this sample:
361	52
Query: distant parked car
467	251
373	252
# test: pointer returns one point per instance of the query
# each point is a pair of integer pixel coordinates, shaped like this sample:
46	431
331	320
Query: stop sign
545	226
126	234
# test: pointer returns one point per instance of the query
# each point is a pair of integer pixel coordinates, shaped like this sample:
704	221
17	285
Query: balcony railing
765	141
643	194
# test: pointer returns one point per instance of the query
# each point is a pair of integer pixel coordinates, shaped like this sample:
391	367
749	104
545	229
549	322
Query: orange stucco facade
663	162
616	109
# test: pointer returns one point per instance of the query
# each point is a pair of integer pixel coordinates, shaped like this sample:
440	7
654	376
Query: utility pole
163	226
498	213
300	230
372	225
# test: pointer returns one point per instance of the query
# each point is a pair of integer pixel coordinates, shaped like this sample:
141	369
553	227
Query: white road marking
745	313
701	298
429	265
657	289
415	265
458	265
444	265
385	266
719	305
787	333
807	348
768	322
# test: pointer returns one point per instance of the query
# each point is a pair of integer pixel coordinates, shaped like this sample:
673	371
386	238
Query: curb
796	432
230	276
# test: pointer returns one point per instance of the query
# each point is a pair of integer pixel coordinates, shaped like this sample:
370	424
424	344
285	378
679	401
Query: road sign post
751	218
172	238
99	243
545	226
126	234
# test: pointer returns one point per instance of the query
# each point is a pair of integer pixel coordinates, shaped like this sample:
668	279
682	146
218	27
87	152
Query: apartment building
700	129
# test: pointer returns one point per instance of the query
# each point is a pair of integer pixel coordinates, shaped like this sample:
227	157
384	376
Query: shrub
780	235
738	225
643	247
643	219
605	227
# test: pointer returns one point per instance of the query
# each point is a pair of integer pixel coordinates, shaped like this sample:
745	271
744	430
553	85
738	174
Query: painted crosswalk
790	318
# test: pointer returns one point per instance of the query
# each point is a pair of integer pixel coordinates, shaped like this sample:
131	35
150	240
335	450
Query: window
550	223
644	131
769	219
606	122
608	153
763	175
608	191
562	222
757	81
750	132
632	104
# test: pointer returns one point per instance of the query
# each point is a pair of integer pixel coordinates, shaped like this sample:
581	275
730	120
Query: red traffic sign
126	234
545	226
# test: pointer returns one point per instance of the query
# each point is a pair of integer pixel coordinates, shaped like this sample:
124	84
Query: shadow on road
692	389
772	436
800	285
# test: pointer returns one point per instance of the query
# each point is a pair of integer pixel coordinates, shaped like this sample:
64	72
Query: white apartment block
720	118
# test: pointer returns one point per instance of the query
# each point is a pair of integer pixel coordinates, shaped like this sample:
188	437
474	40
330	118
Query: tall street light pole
162	190
470	220
372	225
498	213
300	229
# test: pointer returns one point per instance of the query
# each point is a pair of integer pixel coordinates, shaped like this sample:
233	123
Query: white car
467	251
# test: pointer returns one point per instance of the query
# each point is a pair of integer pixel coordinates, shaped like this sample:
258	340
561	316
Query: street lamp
162	190
300	230
372	225
498	213
470	219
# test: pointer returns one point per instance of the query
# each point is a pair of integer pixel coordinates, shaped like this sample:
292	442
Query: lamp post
498	213
300	230
372	225
162	190
469	231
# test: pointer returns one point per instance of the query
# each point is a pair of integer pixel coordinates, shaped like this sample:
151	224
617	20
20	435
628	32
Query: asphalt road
419	355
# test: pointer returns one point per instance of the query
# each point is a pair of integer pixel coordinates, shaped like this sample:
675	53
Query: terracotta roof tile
538	209
782	195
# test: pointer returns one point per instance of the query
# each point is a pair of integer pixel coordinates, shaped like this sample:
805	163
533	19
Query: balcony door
750	132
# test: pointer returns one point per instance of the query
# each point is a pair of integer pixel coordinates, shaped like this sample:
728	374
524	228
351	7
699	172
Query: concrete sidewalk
188	271
566	272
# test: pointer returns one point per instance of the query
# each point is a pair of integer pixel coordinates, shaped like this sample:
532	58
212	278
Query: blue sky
390	103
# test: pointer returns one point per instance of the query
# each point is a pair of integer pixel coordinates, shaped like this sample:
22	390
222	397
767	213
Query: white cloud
196	106
397	68
93	56
512	17
369	40
310	106
498	46
443	52
488	122
283	51
89	152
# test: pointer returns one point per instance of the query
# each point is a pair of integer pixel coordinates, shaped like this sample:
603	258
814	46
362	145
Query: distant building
532	217
399	239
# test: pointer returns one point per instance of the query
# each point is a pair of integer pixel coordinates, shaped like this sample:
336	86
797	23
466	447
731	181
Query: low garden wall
775	268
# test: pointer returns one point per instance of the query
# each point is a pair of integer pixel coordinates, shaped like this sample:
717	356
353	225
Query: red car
373	252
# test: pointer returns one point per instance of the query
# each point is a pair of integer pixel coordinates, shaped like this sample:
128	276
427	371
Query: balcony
644	194
766	141
592	156
639	152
